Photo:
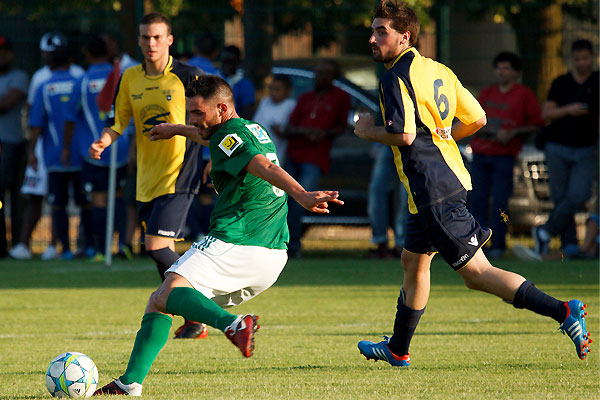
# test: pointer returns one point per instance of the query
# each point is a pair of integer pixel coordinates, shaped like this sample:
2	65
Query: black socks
533	299
405	325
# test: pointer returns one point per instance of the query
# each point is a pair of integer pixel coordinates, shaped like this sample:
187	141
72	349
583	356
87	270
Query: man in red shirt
512	112
320	116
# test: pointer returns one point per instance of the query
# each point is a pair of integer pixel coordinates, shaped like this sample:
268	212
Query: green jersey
249	210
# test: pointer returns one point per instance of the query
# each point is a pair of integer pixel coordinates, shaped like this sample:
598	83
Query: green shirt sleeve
232	151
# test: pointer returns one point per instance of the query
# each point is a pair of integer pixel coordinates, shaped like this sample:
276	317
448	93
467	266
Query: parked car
530	204
350	160
351	163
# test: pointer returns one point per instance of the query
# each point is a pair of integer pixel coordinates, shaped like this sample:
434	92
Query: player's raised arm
316	201
167	131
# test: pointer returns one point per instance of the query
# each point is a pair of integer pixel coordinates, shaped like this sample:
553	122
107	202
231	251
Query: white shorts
229	274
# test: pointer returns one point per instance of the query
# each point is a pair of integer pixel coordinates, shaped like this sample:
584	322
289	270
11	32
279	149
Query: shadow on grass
331	269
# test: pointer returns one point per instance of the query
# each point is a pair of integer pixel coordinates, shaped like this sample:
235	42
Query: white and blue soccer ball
72	374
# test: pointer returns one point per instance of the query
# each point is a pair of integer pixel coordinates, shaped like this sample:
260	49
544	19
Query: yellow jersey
421	96
165	166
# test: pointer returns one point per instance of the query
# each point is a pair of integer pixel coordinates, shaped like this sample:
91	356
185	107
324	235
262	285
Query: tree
538	26
346	22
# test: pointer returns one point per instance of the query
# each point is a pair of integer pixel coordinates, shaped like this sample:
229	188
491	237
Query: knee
473	279
157	301
471	282
412	267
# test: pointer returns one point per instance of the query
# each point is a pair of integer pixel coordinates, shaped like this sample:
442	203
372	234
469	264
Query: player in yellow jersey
169	172
419	100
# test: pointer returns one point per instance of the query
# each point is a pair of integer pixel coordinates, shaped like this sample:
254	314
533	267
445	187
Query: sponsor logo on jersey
60	88
96	85
137	96
230	143
152	88
259	133
166	233
445	133
153	115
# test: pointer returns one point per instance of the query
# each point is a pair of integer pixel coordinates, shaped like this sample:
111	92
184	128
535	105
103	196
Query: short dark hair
337	69
507	56
403	18
233	50
208	86
96	46
206	44
60	57
155	18
287	82
582	44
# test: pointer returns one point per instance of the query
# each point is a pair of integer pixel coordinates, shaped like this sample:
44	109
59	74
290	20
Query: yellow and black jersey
421	96
165	166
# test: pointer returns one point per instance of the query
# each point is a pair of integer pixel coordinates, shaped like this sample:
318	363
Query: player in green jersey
245	250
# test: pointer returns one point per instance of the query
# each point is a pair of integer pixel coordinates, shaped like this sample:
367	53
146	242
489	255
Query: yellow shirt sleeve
122	105
468	109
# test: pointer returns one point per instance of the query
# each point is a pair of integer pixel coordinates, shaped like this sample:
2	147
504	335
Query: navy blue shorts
165	216
59	183
448	228
95	177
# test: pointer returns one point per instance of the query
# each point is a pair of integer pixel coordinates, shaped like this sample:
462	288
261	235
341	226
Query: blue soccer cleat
574	326
381	351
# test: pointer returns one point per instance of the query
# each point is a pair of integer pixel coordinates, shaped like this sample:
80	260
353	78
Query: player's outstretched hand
164	131
318	202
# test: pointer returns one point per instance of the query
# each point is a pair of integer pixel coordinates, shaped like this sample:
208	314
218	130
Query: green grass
468	345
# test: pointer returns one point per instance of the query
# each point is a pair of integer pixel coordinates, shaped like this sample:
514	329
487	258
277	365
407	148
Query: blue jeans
571	175
308	176
492	176
384	182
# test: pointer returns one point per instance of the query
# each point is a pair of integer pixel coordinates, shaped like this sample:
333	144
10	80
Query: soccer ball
72	374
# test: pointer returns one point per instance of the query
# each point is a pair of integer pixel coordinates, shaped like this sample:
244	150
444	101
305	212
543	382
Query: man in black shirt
571	148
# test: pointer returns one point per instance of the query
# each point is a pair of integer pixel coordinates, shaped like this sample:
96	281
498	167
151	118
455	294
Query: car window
303	81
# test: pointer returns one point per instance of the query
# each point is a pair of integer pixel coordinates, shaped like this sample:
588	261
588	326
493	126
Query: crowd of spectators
46	160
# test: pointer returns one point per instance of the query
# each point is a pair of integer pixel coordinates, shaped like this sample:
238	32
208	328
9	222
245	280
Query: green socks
194	306
154	332
150	339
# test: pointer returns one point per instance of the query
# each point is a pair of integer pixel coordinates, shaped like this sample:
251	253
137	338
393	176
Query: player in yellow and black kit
419	100
168	172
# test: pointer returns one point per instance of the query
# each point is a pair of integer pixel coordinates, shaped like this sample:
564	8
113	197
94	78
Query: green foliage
329	19
469	345
511	9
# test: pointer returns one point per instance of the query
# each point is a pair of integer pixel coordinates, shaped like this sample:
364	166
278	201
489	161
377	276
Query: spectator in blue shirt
84	113
243	89
206	49
47	118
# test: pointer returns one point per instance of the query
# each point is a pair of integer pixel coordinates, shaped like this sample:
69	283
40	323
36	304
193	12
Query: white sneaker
49	254
526	254
117	387
20	252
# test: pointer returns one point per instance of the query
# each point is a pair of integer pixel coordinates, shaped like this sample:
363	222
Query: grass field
468	345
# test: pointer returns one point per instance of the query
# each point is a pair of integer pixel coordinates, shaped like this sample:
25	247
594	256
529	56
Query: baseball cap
5	43
52	40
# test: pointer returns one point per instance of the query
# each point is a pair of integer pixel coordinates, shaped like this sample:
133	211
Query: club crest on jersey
259	133
230	143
